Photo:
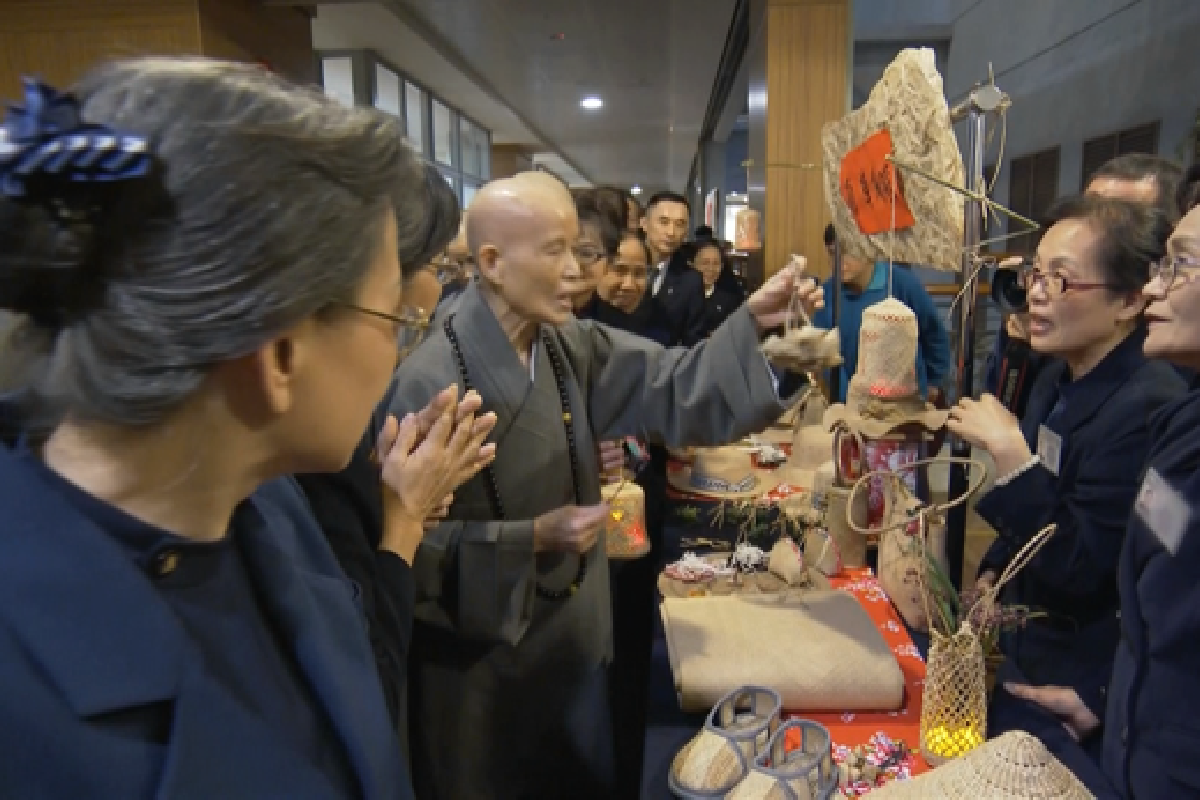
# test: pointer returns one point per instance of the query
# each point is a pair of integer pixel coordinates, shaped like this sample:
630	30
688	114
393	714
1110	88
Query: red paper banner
868	180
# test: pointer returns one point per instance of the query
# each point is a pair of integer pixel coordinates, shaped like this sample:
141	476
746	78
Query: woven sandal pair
741	754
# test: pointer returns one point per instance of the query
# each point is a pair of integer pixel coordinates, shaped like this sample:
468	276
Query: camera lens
1007	291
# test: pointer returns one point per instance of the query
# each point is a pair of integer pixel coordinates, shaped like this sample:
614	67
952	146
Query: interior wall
277	37
1080	70
59	40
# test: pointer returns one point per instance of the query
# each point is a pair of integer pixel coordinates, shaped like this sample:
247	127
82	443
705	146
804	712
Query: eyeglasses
1173	267
1055	284
412	324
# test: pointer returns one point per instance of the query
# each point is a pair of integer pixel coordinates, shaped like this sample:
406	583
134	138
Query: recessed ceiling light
635	190
591	103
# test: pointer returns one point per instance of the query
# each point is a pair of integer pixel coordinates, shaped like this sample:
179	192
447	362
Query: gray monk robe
506	689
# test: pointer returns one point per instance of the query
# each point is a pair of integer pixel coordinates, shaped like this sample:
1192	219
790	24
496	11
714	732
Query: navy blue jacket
679	304
1105	438
104	694
1152	733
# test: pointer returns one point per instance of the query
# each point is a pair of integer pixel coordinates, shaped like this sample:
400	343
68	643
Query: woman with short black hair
1075	457
205	260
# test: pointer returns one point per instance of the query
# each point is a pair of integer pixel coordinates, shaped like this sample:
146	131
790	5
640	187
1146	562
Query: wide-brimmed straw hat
722	473
1011	766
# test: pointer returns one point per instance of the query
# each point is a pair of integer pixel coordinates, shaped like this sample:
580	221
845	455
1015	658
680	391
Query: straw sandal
739	729
806	773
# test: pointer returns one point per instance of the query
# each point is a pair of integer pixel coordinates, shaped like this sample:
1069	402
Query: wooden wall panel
509	159
59	40
246	30
808	68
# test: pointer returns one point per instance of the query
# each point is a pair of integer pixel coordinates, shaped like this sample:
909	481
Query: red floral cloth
857	728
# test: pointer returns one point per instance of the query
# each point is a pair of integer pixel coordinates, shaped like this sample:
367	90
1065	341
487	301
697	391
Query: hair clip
49	155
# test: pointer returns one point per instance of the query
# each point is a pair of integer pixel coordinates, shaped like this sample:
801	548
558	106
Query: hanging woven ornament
878	216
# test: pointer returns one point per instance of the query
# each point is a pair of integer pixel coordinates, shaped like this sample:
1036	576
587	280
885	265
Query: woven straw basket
1010	767
954	706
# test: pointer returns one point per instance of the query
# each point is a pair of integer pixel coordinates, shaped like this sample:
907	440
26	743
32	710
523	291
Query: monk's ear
488	262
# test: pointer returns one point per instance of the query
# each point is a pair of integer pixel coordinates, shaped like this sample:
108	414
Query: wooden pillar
59	40
808	56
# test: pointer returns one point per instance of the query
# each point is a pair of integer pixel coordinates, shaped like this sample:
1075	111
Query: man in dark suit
676	290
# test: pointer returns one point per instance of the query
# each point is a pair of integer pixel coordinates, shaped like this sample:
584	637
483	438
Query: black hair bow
50	156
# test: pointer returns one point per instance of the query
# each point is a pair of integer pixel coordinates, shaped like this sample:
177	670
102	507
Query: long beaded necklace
489	474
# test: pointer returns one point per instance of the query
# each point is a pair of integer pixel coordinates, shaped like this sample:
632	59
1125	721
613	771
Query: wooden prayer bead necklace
489	474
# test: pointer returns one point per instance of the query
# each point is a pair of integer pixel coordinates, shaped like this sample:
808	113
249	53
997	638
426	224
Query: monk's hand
570	529
988	424
612	460
771	303
1061	701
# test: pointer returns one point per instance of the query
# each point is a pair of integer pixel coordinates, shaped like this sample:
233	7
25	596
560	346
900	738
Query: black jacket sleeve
349	507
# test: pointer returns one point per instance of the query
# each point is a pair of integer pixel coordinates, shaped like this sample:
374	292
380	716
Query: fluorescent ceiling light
591	103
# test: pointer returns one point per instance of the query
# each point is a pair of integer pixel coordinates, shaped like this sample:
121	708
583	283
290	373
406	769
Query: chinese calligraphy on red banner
868	181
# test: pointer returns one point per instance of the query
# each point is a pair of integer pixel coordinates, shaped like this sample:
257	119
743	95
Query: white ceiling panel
651	61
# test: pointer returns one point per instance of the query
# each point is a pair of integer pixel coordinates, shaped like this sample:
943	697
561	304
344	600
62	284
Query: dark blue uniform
1152	732
1100	424
137	664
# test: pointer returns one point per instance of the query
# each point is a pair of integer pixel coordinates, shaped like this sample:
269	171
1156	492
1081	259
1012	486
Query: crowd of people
295	510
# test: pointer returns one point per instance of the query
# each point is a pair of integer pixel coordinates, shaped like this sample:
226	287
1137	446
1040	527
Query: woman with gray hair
206	259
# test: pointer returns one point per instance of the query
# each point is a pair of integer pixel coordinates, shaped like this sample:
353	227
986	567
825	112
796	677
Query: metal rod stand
974	109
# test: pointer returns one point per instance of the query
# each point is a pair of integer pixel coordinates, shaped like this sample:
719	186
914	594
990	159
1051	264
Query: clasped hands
425	457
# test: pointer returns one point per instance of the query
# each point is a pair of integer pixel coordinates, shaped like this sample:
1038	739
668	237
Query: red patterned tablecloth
850	729
857	728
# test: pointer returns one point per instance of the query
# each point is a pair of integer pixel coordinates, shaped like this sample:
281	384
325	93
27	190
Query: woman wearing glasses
1150	732
205	260
1075	458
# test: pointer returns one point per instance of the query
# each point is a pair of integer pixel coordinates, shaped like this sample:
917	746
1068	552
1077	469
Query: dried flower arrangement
979	611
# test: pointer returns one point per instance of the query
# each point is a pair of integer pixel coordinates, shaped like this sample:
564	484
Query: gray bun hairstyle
266	207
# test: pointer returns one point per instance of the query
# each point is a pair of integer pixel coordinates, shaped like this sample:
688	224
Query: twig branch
976	196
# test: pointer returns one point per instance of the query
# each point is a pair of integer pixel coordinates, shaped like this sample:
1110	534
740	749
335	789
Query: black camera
1008	292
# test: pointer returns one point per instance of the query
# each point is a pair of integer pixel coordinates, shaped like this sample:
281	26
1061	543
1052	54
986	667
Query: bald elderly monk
507	697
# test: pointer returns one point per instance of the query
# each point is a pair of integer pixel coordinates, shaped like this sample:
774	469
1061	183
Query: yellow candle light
946	742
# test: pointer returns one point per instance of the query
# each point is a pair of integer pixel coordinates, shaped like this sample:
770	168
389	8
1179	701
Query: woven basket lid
1011	766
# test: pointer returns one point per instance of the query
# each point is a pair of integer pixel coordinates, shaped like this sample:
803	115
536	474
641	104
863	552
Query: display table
850	729
669	729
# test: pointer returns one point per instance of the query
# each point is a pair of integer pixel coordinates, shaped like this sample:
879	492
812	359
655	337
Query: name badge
1049	449
1163	510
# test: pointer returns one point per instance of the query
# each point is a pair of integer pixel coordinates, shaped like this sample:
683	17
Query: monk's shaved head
510	208
521	231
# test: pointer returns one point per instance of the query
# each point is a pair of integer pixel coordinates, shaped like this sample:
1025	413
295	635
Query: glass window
387	91
468	193
470	146
337	75
443	135
414	115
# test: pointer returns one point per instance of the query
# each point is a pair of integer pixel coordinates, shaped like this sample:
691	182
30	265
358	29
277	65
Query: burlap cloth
1013	766
821	651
